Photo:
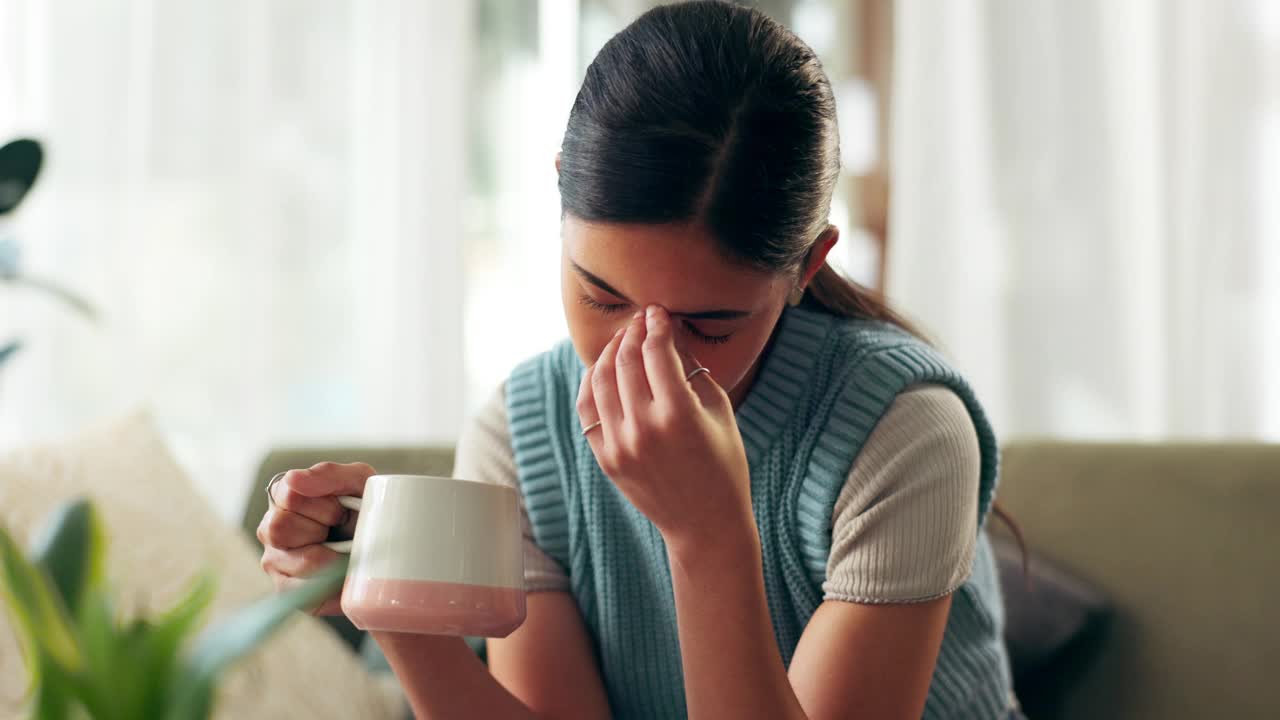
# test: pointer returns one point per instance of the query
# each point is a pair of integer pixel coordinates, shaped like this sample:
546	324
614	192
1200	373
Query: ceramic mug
434	555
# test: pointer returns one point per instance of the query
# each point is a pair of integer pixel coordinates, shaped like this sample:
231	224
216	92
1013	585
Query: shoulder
560	358
894	393
905	524
483	451
926	439
539	384
906	393
929	420
876	364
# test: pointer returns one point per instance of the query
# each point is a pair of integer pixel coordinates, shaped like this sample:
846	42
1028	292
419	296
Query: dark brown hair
712	112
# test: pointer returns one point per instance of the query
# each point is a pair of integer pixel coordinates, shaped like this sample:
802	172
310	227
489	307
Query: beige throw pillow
161	535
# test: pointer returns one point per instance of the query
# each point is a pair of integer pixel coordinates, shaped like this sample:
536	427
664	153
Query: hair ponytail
838	295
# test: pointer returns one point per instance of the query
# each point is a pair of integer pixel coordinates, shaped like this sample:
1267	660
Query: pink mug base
427	607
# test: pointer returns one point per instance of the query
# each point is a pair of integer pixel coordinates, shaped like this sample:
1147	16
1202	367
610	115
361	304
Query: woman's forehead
668	263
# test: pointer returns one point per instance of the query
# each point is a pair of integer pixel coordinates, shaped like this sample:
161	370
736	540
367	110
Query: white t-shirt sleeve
484	454
905	526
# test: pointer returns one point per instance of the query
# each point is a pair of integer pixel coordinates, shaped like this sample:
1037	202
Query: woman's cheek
731	362
590	331
726	367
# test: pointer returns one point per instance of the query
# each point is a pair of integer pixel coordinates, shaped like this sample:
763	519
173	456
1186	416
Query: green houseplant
20	163
84	662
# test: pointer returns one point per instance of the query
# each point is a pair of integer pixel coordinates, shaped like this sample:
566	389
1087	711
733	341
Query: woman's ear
557	162
818	254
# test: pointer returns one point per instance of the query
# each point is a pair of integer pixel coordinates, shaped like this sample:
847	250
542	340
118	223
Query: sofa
1154	571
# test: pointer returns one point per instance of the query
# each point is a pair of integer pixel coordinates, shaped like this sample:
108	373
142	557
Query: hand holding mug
428	554
304	513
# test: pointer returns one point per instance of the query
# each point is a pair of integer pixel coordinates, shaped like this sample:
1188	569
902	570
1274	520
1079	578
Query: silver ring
275	479
695	371
591	427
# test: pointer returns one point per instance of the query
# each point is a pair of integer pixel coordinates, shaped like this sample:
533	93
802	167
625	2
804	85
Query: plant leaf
20	162
9	257
228	641
69	298
54	696
38	611
166	639
132	687
98	635
71	549
174	625
8	349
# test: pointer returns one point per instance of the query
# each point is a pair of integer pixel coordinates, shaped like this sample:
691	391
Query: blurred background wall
322	221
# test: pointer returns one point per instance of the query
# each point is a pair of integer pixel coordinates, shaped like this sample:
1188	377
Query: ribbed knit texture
821	390
904	527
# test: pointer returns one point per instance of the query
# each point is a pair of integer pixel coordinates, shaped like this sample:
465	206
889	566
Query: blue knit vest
823	386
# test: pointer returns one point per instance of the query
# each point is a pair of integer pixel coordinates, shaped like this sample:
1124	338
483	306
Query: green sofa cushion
1182	539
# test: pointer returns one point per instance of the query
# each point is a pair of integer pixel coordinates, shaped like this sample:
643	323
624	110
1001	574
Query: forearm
444	679
732	667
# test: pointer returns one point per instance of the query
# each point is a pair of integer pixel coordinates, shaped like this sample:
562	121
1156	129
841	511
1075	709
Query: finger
298	562
587	413
604	387
705	387
633	386
284	529
329	478
661	361
687	361
324	510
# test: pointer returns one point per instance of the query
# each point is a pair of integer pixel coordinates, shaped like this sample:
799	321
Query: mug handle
349	502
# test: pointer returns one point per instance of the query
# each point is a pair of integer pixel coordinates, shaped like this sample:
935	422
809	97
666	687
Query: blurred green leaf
55	696
71	549
85	664
173	626
37	610
8	349
72	300
133	685
170	631
228	641
10	257
97	626
20	162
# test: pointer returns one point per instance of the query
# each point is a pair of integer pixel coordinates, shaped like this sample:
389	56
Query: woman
751	491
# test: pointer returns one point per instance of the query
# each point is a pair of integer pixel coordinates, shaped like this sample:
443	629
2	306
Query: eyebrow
719	314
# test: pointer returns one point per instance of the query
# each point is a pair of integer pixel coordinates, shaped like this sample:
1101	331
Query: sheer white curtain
265	202
1086	209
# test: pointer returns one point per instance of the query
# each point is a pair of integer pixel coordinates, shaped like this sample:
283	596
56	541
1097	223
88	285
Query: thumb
329	478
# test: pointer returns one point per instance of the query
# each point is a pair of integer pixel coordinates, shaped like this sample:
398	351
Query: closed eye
610	308
712	339
601	307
